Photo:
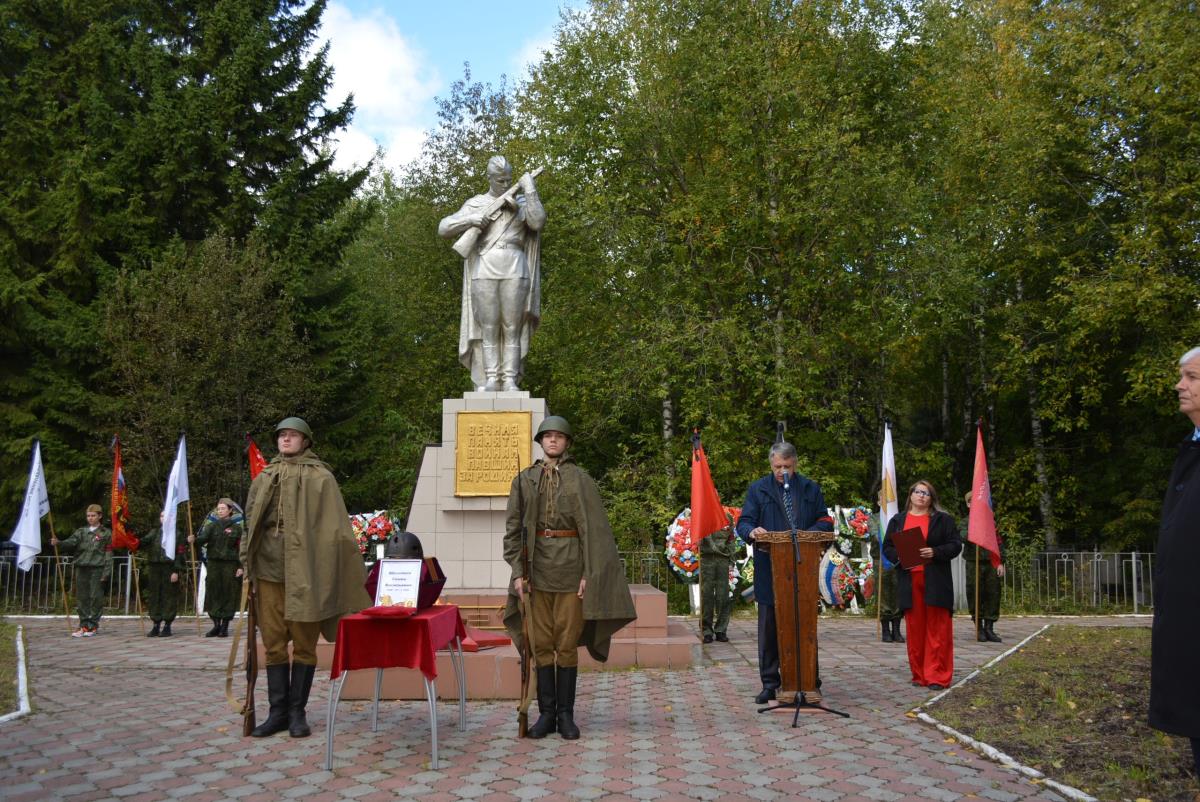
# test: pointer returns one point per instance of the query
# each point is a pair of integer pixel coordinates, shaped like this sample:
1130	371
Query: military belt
557	533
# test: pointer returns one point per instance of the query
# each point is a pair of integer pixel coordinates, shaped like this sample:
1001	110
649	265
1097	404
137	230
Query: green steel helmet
554	423
295	423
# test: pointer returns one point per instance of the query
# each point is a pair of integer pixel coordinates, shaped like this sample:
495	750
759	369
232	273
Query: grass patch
1072	703
8	667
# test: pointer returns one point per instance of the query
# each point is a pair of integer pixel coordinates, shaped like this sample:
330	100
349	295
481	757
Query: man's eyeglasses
920	492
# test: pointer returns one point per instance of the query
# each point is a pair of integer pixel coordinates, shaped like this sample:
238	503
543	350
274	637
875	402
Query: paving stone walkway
124	717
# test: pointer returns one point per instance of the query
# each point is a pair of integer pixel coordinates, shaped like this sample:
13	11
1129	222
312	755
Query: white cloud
393	83
531	53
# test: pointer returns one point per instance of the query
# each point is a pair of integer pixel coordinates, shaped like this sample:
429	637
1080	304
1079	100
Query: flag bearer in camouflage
301	556
221	538
161	585
990	576
579	594
716	604
92	547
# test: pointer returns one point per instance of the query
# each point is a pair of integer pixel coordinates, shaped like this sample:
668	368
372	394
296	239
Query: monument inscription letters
492	448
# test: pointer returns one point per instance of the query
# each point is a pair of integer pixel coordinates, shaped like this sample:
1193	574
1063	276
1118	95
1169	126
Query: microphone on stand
787	477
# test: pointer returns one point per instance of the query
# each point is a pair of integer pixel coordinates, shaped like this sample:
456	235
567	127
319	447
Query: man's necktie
789	508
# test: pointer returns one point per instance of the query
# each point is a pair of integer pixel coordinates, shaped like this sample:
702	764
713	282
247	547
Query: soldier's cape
607	603
324	569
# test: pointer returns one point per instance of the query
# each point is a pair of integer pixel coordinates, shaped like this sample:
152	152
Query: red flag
122	538
708	515
257	463
981	525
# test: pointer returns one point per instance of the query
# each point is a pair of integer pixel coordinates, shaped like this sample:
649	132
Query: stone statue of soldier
498	238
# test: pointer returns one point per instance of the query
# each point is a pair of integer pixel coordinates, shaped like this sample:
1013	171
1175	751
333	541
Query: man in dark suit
779	502
1174	649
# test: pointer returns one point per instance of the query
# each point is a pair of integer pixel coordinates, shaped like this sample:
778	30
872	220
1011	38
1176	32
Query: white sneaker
79	633
89	633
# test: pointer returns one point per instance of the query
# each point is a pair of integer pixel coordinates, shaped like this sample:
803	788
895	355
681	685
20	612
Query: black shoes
216	629
708	638
896	636
764	696
933	686
166	630
277	695
990	633
547	696
302	679
566	702
154	632
722	637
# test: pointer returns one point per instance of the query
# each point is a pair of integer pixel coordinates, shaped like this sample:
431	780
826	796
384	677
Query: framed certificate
399	583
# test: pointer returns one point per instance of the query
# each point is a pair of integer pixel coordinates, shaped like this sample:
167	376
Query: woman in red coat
926	592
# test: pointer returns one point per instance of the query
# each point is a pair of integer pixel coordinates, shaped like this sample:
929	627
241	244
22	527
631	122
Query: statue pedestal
466	534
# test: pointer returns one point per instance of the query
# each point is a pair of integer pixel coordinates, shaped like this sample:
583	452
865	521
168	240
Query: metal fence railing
1049	582
1075	581
40	591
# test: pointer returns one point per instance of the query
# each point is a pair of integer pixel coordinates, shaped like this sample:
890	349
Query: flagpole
978	612
137	594
192	547
58	569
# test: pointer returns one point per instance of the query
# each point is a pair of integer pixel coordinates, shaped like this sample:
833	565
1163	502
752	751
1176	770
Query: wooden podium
796	613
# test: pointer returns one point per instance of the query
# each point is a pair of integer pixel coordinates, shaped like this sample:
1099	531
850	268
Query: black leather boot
887	631
154	632
566	702
302	679
991	633
547	703
166	630
896	636
216	628
981	631
224	633
277	695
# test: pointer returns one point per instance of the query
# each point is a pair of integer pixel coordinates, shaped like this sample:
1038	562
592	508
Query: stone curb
23	706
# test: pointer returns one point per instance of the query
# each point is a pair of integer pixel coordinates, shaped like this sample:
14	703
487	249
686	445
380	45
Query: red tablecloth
365	641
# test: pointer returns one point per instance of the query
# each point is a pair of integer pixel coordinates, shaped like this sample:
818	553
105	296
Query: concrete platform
652	641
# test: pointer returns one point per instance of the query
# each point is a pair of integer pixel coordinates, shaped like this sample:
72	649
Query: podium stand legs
800	702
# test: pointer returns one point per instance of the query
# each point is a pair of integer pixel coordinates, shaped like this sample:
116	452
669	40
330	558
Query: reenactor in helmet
221	537
92	547
301	557
578	593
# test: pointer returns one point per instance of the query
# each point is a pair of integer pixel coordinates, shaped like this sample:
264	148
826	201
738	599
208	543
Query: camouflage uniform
93	566
160	594
221	538
716	604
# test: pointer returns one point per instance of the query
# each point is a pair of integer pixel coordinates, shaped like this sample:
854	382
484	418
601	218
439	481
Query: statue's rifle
465	243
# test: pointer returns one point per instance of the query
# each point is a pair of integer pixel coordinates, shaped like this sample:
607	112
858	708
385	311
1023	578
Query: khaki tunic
567	498
295	510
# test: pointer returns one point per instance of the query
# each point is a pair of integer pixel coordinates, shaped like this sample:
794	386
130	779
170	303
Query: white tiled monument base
466	534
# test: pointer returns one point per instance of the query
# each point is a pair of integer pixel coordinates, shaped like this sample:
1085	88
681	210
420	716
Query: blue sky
397	56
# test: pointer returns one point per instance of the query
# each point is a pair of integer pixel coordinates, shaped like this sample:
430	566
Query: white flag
28	534
177	493
888	500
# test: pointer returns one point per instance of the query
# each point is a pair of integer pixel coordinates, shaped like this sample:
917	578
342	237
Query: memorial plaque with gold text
491	448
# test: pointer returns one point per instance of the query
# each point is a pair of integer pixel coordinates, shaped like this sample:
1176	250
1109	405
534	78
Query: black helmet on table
404	546
298	424
554	423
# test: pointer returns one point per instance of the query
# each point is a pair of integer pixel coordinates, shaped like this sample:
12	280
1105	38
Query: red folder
909	544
